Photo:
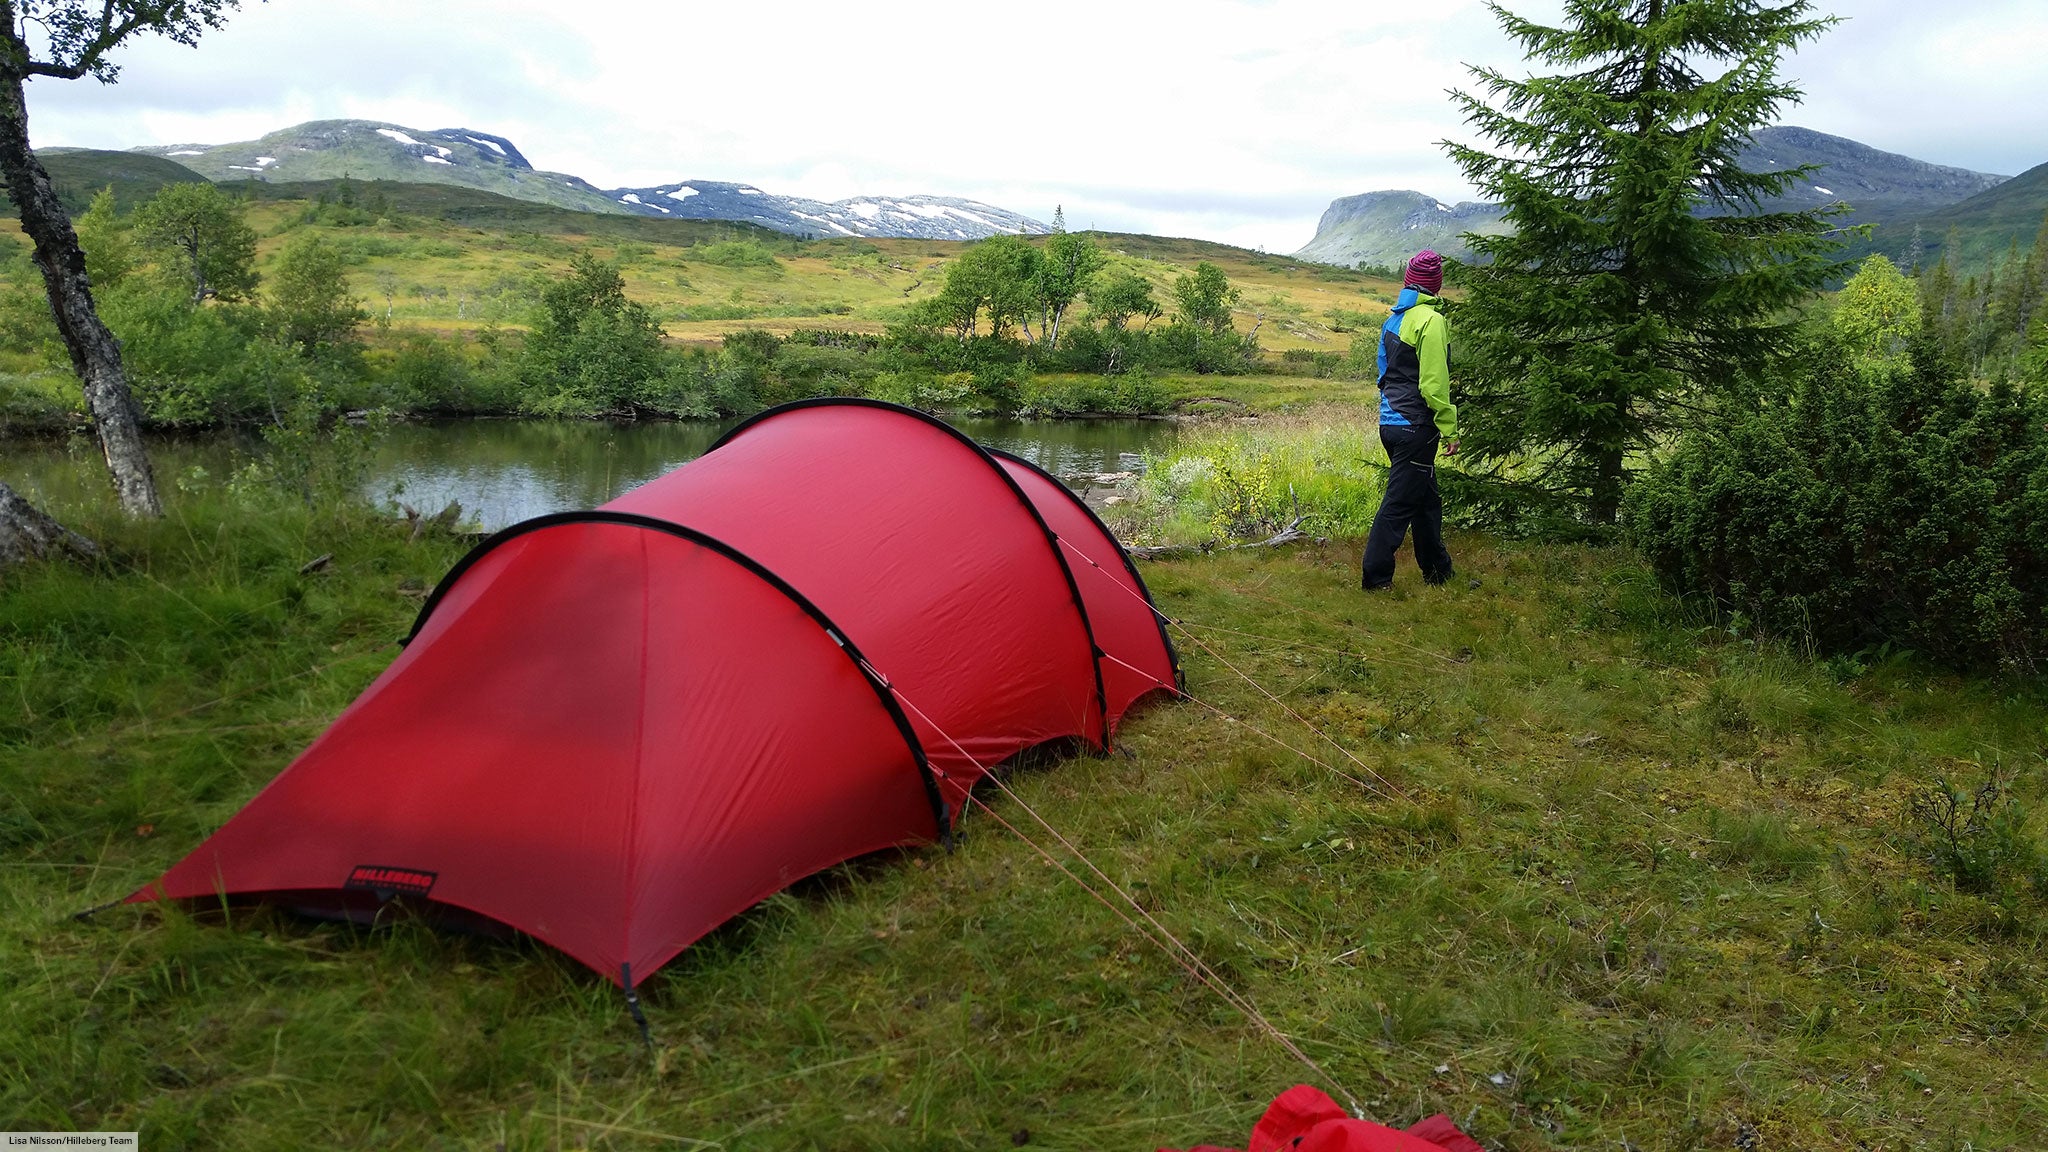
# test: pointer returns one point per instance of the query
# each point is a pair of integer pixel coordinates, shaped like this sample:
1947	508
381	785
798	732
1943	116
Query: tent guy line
1336	623
1232	718
1190	963
1218	657
1285	642
1159	934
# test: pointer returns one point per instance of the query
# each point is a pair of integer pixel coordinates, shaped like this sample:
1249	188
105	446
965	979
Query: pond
505	471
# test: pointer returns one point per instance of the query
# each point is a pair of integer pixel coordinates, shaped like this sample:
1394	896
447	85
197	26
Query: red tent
616	729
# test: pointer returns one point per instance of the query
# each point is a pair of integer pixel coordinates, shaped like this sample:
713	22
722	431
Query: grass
1651	891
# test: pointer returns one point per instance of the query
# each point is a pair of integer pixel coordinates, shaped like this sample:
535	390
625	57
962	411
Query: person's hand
1451	449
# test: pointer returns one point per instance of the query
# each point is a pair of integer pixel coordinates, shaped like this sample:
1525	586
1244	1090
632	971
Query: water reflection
504	471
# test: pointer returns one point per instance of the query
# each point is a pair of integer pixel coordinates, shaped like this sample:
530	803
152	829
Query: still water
505	471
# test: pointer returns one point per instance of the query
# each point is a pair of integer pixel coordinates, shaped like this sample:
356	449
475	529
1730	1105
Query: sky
1230	120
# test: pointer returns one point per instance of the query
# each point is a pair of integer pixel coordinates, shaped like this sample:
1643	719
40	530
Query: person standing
1416	417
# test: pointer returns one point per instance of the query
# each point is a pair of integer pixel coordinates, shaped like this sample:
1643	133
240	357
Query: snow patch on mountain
373	150
928	217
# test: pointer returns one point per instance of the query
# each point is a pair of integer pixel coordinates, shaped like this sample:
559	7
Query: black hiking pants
1411	499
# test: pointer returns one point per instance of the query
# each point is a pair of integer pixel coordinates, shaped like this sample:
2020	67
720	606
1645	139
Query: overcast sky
1234	120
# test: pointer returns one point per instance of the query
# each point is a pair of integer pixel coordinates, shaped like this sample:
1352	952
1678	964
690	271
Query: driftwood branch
1292	534
440	523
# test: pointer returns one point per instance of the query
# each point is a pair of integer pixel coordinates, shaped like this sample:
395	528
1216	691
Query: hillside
447	258
412	204
373	150
369	150
926	217
78	173
1985	225
1882	188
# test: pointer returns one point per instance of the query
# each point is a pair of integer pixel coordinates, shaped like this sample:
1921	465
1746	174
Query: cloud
1220	118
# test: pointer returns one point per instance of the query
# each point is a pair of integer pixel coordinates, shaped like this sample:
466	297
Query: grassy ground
1653	887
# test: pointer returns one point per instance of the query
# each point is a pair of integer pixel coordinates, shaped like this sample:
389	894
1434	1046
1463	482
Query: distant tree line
1987	323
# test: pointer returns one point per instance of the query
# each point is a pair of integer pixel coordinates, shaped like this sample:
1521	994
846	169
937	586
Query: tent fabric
1109	584
616	729
1305	1119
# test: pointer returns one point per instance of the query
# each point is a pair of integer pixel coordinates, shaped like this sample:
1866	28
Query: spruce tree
1642	279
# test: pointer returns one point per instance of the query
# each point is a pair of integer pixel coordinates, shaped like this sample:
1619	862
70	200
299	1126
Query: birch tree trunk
95	354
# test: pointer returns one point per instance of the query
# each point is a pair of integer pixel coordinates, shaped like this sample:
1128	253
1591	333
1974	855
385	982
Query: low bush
1894	504
1131	394
734	254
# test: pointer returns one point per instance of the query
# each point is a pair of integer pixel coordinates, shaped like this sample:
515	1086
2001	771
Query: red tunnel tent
616	729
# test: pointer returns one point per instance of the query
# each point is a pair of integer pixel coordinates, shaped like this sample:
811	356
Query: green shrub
1131	394
432	374
1235	482
1308	362
1897	505
955	391
734	254
590	349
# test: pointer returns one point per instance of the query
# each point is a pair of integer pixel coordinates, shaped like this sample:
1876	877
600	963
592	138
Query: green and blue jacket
1415	366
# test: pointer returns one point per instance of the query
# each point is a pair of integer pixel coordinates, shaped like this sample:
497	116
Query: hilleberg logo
384	878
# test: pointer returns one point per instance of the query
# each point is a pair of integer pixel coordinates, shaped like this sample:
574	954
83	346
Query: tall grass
1247	478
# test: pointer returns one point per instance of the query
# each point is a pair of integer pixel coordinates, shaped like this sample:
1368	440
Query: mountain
924	217
368	150
1383	228
1880	186
371	150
